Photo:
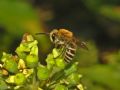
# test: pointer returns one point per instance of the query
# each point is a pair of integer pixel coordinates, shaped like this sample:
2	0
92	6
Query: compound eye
53	37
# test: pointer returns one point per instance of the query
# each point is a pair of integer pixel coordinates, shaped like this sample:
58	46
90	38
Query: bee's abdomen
69	54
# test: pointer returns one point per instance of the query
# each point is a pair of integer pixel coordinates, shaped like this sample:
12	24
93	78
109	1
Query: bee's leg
60	55
60	46
62	50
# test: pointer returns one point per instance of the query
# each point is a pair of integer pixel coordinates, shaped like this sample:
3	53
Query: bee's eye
53	37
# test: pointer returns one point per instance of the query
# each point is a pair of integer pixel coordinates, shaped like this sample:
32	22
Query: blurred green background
97	22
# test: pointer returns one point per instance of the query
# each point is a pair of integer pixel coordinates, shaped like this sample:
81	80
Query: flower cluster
24	70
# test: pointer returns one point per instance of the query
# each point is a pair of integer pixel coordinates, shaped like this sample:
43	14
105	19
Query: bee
65	41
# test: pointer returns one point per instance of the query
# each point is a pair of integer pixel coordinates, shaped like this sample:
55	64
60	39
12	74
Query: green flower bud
28	72
60	63
60	87
4	72
55	53
5	57
27	47
21	64
31	61
23	47
43	73
34	50
80	87
29	37
50	61
19	79
20	53
10	79
74	78
32	44
11	66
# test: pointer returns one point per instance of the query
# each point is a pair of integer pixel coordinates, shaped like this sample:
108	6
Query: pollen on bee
65	33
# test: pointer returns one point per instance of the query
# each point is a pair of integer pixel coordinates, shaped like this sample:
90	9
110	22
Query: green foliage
24	71
107	8
97	76
19	79
16	18
101	77
14	13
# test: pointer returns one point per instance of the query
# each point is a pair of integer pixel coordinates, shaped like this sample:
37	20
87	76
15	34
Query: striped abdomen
70	52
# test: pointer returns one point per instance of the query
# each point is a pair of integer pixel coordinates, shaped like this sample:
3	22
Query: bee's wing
82	44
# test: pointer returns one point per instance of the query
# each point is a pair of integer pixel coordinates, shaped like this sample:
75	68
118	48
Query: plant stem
35	83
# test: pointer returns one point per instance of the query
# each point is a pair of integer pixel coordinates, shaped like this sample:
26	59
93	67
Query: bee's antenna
42	33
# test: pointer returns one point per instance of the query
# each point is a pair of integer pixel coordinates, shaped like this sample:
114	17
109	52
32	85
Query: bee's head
53	35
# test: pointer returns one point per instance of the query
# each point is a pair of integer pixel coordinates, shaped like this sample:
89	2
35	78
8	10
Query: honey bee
65	41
